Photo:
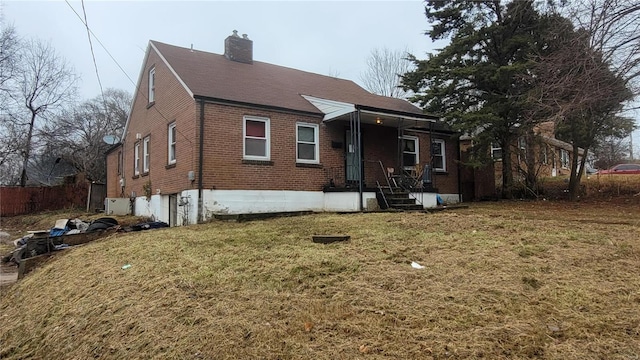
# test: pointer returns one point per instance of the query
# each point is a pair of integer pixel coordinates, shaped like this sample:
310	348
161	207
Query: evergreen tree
478	82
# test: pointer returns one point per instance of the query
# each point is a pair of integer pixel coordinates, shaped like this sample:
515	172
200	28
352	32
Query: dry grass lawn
501	281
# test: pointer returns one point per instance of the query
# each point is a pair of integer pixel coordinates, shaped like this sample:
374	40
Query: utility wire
95	64
89	31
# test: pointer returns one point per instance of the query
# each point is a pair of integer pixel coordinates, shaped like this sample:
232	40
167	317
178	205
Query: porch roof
338	110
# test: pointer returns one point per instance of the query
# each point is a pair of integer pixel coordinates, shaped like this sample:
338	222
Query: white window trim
494	149
146	159
444	155
136	159
562	162
171	142
267	134
417	151
316	142
152	84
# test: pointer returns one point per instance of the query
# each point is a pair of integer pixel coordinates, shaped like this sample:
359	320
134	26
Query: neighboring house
224	134
552	157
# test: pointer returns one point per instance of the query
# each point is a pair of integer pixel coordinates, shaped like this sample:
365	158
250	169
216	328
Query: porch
389	153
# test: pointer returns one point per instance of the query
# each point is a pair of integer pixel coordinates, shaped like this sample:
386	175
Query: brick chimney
238	48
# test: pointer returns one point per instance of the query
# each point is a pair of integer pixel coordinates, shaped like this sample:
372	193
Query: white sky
325	37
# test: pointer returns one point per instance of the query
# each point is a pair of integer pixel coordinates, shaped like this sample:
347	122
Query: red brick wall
172	103
223	163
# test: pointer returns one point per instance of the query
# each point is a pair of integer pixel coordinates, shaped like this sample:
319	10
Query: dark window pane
437	148
408	159
437	162
408	145
256	128
255	147
306	152
306	134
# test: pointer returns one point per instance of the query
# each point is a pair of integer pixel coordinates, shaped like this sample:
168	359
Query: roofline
138	83
259	106
135	93
164	60
404	114
113	148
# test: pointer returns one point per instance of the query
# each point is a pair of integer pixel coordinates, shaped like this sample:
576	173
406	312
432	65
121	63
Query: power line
93	56
120	67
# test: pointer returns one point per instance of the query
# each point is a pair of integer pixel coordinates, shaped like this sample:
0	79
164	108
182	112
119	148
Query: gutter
256	106
200	156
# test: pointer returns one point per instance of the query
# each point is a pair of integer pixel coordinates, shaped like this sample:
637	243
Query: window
496	151
564	158
136	159
522	149
171	143
152	85
256	138
145	157
410	152
438	155
307	143
543	154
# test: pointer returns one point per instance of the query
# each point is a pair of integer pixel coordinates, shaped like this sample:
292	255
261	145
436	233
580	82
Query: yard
507	280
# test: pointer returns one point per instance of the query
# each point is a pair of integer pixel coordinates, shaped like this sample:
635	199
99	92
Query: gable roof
209	75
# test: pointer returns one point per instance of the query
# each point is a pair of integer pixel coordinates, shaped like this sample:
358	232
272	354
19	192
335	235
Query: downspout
360	162
459	169
200	156
433	178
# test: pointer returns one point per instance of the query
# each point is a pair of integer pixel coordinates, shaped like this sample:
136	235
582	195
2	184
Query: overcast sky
326	37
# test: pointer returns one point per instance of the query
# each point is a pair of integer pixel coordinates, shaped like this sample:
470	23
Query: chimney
238	48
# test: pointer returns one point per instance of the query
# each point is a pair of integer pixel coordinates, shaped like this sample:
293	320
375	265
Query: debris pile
64	233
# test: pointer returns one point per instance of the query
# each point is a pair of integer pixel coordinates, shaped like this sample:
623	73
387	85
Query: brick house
551	158
224	134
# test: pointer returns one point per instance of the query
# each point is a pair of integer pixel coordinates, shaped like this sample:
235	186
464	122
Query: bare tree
9	57
45	84
77	135
384	70
592	73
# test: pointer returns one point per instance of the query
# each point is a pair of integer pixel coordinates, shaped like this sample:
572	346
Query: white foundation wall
347	201
264	201
188	207
259	201
429	200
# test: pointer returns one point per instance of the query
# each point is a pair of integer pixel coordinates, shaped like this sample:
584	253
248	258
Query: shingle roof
214	76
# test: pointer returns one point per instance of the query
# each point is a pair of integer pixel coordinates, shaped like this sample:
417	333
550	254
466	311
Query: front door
352	167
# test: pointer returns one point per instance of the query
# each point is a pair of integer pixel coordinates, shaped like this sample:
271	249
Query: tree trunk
27	151
507	171
576	173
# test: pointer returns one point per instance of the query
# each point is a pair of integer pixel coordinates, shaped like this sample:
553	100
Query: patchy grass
501	281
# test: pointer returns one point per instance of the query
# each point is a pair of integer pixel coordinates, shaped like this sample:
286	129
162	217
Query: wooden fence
27	200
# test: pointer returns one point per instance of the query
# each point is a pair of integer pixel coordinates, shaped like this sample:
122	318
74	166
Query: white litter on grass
415	265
